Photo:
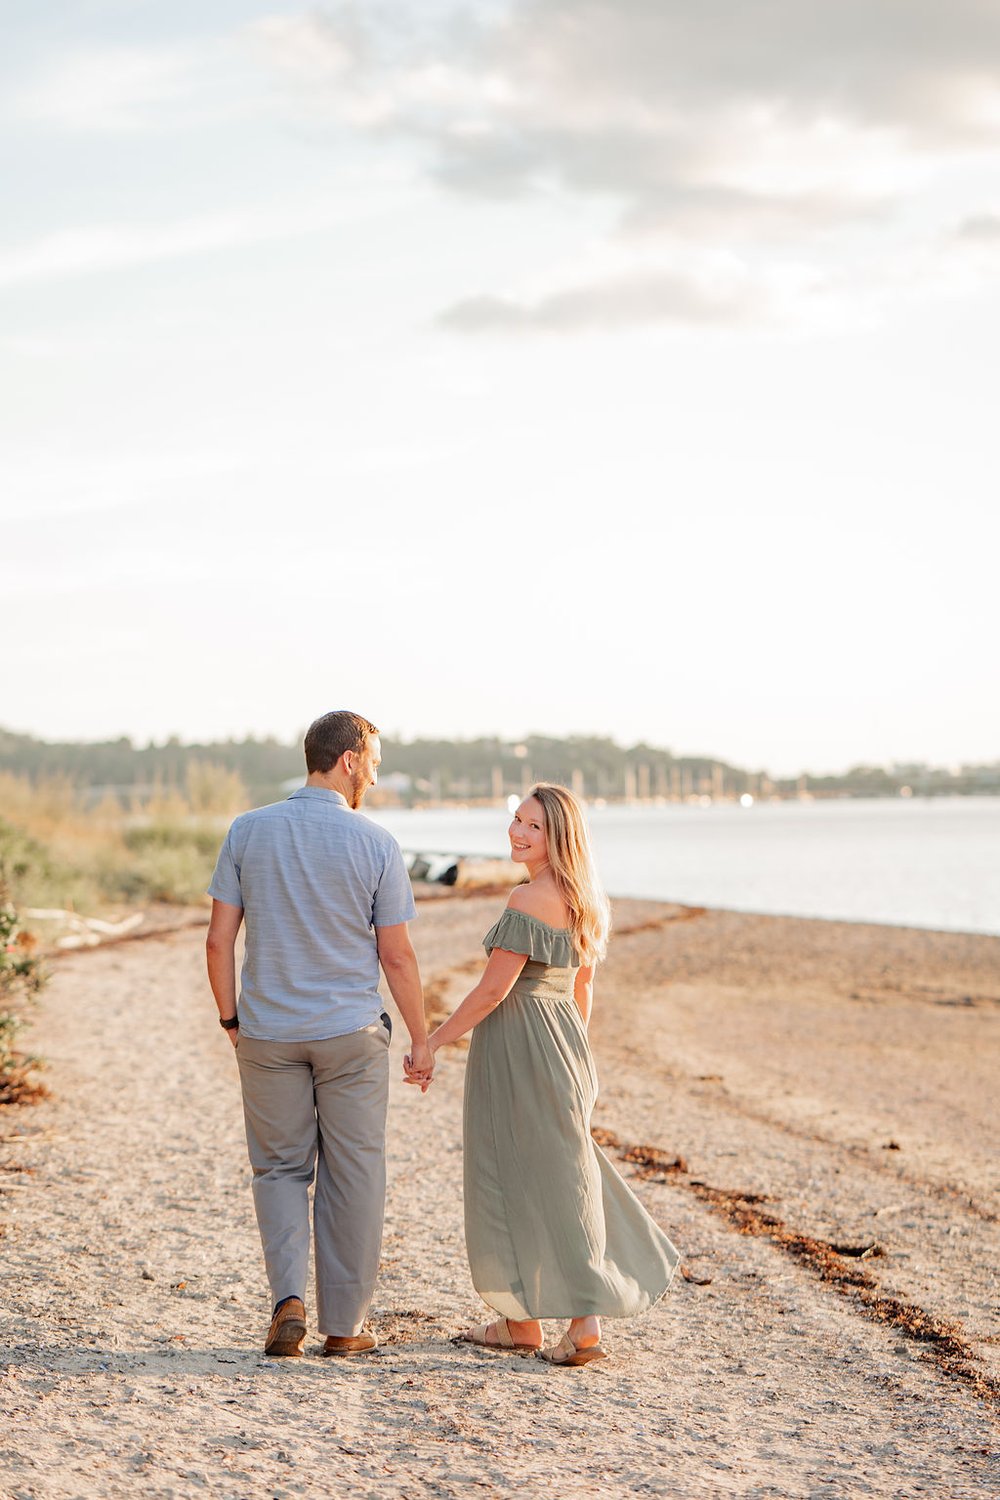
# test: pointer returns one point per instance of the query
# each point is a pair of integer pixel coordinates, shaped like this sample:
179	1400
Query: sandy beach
808	1108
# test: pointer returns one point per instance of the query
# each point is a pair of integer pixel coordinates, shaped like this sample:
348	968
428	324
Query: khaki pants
325	1100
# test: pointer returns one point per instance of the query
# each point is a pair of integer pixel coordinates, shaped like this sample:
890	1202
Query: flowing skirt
552	1230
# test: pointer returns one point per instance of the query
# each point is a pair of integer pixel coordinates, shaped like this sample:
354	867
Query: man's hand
233	1033
418	1065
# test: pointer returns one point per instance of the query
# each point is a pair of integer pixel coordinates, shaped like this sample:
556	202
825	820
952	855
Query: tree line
439	769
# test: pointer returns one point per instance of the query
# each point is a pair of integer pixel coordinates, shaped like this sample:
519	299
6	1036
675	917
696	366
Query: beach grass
61	850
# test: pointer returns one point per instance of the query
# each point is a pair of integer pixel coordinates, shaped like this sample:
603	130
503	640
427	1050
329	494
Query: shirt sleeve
225	884
394	897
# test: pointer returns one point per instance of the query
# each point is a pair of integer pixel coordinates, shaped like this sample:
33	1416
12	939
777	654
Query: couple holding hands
552	1230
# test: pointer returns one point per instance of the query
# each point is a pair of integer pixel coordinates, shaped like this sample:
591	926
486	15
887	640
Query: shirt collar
321	791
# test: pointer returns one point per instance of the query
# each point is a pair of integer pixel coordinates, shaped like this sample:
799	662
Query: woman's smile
527	832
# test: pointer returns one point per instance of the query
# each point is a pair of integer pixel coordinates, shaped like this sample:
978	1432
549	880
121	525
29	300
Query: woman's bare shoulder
543	902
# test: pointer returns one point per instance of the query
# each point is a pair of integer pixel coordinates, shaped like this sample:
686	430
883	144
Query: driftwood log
466	871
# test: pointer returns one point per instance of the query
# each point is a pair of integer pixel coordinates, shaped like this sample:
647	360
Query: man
326	898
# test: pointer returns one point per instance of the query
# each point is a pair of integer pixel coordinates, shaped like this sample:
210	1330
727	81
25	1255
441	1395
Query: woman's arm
583	992
495	985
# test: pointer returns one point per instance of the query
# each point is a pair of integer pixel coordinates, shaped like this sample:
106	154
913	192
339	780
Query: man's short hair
329	736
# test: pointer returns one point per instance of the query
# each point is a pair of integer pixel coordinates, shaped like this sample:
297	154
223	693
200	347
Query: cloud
980	227
109	247
114	89
628	300
96	248
49	486
629	96
907	65
769	128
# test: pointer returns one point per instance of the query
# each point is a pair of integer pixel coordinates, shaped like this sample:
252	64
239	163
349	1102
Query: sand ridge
777	1059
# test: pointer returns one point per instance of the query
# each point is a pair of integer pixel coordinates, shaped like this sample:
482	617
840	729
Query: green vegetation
64	850
21	977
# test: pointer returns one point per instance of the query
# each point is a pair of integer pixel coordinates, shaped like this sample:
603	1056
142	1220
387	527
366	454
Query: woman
552	1230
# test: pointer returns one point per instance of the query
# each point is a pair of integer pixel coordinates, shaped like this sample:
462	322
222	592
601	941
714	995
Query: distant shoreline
702	800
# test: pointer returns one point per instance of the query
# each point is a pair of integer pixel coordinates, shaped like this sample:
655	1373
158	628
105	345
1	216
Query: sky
618	367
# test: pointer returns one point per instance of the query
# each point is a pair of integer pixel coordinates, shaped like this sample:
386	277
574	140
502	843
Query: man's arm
399	964
220	953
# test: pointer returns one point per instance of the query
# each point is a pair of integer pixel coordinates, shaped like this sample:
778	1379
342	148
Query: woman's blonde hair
571	860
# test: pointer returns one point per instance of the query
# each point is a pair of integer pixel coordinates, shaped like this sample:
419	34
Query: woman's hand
418	1066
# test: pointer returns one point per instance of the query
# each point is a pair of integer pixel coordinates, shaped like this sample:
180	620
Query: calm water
919	863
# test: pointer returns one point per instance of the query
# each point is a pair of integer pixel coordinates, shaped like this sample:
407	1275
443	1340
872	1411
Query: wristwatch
231	1024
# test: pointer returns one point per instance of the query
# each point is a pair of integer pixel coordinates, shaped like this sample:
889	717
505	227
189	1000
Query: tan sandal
567	1353
504	1340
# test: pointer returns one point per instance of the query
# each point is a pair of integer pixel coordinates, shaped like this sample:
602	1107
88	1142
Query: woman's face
527	834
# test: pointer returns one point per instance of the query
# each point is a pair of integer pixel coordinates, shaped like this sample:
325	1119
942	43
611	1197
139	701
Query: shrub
21	977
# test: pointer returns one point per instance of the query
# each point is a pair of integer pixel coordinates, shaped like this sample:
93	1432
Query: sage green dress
551	1228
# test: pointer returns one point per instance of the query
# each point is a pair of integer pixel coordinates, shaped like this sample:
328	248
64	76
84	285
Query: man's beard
359	786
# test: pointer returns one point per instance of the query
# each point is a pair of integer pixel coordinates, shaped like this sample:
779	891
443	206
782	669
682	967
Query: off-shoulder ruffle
517	932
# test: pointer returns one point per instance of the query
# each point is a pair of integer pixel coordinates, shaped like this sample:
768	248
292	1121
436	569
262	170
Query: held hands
418	1066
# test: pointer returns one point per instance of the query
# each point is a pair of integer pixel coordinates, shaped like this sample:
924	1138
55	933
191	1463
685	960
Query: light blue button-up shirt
314	880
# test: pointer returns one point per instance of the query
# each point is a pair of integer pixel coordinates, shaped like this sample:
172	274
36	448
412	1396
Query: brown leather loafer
359	1343
287	1333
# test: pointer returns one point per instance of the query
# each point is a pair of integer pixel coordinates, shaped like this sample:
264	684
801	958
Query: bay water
919	862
